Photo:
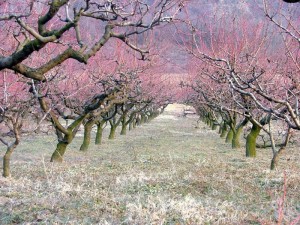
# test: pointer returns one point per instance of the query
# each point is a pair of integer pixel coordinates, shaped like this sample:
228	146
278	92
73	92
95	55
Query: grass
164	172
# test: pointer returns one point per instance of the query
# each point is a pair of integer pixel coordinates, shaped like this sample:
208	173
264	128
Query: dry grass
165	172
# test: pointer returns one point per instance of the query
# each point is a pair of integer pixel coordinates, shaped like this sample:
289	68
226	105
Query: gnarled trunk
114	123
68	137
87	135
229	136
275	158
11	147
209	122
64	135
237	133
112	133
6	160
62	144
220	128
143	119
251	140
214	125
99	133
130	125
124	128
138	121
134	123
223	130
59	152
236	138
276	154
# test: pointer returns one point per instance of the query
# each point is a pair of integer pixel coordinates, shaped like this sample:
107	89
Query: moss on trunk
251	140
64	135
59	152
99	133
220	128
209	123
143	119
138	121
236	138
124	129
124	126
237	133
6	160
112	133
214	125
87	136
229	136
223	130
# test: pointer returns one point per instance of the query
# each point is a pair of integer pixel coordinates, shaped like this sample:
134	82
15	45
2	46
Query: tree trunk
87	136
138	122
6	160
131	125
112	133
251	140
143	119
146	119
99	133
62	144
237	133
229	136
209	123
275	158
236	138
59	152
220	128
151	116
124	128
134	123
223	130
214	125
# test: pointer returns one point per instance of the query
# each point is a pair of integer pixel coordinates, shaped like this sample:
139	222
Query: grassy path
164	172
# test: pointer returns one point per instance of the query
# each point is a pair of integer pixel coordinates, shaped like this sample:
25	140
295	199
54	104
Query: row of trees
74	62
247	72
125	97
69	64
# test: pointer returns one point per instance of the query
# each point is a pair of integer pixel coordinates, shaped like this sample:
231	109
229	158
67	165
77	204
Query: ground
163	172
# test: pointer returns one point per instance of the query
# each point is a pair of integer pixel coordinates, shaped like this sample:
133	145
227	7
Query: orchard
149	112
